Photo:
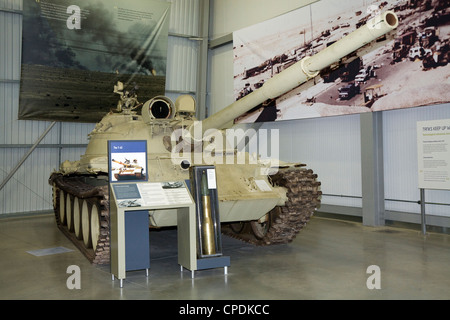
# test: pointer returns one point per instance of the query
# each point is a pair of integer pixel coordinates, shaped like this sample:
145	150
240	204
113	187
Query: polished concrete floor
329	259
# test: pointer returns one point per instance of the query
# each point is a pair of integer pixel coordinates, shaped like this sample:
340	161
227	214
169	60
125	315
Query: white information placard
164	193
433	154
211	174
151	194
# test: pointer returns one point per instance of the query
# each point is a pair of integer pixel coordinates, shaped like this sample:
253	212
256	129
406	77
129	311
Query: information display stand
131	199
130	203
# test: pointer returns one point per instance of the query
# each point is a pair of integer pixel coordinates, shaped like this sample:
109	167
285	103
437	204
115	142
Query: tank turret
260	201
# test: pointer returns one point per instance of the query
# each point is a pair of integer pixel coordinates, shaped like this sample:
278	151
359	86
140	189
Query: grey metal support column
372	173
202	71
422	211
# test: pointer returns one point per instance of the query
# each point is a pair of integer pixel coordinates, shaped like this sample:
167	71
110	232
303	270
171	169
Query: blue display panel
137	246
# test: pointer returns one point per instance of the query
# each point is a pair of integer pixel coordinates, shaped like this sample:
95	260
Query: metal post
372	172
422	211
202	69
10	175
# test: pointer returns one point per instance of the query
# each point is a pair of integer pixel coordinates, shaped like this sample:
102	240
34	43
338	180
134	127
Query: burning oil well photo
74	54
407	68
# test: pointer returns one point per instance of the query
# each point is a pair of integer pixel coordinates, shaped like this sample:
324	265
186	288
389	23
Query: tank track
283	222
282	225
92	213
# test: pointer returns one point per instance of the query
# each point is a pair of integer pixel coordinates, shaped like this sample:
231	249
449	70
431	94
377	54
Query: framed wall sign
433	154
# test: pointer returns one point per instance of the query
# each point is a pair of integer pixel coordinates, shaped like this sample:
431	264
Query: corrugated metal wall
400	160
331	147
182	55
28	190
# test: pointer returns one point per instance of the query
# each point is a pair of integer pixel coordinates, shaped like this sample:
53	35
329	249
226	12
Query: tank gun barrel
305	69
119	162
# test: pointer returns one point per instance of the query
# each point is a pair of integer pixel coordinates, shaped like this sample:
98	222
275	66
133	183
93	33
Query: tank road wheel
85	225
62	208
260	229
95	225
82	214
237	227
69	212
77	218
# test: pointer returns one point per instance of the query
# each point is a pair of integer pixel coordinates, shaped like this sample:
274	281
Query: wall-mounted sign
433	154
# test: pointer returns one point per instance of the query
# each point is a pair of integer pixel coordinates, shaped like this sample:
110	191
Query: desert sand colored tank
260	201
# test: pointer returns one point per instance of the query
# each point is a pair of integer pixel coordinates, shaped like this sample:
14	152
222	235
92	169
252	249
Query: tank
261	201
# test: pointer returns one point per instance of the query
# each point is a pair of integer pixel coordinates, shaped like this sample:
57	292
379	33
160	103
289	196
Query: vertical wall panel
331	147
10	31
182	56
182	65
28	190
71	154
184	17
19	131
75	133
11	4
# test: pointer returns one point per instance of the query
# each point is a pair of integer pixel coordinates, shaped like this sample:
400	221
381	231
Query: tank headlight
185	164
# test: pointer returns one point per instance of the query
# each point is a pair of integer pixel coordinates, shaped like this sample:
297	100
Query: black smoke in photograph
101	44
41	45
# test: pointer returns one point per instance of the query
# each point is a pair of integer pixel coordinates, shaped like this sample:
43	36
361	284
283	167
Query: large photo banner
75	52
410	69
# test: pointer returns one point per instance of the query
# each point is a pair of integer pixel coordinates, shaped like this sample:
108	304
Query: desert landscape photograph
407	69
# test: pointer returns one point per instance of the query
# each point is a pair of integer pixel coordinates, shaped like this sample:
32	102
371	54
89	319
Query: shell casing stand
209	235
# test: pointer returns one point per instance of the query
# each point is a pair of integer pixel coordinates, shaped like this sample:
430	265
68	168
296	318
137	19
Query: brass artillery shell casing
208	243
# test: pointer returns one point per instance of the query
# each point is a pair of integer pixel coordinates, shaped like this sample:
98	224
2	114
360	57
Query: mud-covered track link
82	214
283	223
